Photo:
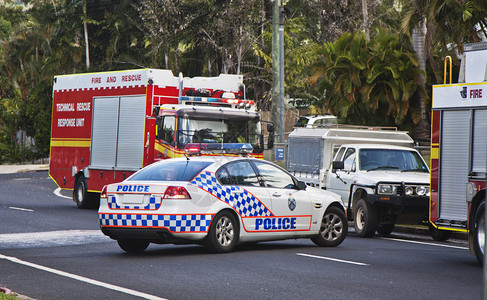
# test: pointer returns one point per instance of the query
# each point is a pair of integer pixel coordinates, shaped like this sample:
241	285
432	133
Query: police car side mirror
337	165
301	185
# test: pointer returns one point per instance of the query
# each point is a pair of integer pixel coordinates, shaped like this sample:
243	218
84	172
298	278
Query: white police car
219	202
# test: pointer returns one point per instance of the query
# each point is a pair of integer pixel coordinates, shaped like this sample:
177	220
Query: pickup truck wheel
438	234
365	219
223	234
385	229
333	230
133	246
479	233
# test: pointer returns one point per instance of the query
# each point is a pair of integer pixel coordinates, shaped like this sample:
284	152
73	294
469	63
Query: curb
5	291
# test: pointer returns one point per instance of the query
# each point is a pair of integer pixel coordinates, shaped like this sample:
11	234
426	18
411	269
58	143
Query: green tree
364	82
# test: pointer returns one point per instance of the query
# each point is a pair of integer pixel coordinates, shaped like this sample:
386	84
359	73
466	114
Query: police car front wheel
333	230
223	234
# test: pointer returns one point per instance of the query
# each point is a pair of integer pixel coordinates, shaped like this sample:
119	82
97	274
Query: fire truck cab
459	150
106	126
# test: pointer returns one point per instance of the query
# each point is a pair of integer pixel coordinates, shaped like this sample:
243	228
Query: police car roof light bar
229	148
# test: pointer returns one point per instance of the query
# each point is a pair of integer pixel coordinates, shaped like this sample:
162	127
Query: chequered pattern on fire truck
154	203
175	223
244	203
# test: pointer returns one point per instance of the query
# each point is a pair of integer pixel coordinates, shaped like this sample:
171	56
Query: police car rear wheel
133	246
333	230
223	234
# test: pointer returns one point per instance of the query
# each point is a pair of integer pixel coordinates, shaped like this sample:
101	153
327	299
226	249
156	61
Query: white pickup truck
381	179
379	184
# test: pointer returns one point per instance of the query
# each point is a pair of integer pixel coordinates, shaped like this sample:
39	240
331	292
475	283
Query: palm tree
364	81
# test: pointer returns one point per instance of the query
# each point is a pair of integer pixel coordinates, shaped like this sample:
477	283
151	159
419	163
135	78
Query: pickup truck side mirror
270	140
337	165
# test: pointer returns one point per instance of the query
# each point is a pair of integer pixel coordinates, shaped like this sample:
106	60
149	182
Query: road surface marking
333	259
57	192
424	243
51	238
19	208
81	278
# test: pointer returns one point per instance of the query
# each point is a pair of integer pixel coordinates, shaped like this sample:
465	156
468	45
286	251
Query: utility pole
277	108
275	69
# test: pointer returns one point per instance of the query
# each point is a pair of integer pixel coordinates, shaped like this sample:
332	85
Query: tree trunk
422	129
366	19
87	45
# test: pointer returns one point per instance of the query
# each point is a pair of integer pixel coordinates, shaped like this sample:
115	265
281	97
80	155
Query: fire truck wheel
334	227
438	234
133	246
365	219
479	233
223	234
80	193
385	229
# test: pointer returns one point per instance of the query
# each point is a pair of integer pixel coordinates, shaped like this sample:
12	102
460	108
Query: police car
219	202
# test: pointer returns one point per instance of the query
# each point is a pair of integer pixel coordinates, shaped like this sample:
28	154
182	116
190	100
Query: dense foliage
329	62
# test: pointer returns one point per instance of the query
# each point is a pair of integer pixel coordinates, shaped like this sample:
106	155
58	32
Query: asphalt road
49	249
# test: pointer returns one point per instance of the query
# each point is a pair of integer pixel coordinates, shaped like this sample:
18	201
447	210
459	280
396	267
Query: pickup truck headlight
423	190
386	189
409	191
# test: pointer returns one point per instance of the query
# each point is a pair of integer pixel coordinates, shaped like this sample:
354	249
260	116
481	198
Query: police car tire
479	233
334	228
133	246
366	219
223	234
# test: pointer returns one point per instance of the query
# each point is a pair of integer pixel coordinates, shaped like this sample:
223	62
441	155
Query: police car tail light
176	192
103	193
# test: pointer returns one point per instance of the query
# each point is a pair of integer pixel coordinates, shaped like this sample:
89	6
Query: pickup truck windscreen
388	159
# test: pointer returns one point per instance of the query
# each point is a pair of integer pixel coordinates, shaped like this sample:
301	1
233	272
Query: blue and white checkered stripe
175	223
154	203
244	203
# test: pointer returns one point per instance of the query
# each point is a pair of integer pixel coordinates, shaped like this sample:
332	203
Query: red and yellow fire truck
106	126
459	150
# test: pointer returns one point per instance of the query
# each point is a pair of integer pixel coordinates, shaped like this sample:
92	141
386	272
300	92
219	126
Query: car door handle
276	194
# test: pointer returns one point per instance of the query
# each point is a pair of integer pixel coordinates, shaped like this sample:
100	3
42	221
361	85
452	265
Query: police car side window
242	173
223	176
274	177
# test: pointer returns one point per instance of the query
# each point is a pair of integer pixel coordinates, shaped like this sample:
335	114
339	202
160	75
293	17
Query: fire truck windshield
235	130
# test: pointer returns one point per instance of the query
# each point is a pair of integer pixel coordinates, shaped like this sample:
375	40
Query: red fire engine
459	150
106	126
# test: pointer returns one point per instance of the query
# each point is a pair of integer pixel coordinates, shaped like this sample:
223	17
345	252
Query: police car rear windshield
171	171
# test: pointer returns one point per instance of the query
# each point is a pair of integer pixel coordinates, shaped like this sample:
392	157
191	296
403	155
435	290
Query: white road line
424	243
19	208
81	278
57	192
333	259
